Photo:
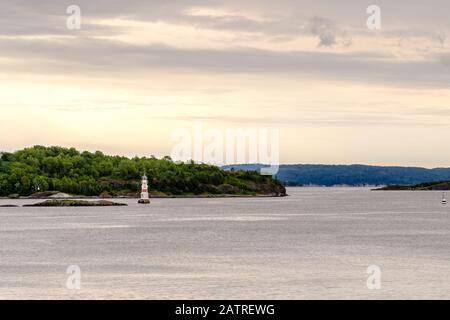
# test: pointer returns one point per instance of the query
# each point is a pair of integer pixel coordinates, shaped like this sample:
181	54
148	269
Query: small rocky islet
75	203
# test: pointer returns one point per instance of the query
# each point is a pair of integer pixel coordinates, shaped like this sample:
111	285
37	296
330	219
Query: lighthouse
144	191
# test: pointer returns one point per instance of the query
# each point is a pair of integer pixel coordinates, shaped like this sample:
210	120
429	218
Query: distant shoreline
352	175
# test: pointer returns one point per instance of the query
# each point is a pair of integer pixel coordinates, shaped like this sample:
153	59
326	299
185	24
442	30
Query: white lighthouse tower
144	191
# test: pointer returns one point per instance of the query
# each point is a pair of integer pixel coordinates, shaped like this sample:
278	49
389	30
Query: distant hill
352	175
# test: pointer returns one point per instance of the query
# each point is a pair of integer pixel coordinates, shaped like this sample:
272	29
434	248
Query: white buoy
444	200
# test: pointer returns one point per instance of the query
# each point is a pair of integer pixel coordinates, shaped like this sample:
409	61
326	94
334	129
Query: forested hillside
67	170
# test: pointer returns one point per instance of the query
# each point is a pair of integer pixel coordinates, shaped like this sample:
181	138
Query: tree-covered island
40	169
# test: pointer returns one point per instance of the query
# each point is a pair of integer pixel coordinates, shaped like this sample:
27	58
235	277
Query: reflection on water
317	243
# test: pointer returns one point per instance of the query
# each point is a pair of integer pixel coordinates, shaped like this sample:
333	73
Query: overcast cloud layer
231	63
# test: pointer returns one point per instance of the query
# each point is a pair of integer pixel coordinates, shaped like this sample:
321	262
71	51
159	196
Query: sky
137	71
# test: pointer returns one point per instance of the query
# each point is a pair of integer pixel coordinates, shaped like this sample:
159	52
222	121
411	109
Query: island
75	203
429	186
65	173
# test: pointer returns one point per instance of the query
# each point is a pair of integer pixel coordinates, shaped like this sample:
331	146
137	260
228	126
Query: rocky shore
430	186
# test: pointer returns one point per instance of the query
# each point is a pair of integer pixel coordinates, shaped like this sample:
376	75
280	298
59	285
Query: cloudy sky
139	69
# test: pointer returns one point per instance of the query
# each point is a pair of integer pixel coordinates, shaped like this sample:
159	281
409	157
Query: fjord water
315	244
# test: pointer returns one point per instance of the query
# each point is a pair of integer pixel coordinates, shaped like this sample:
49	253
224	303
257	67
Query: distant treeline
68	170
352	175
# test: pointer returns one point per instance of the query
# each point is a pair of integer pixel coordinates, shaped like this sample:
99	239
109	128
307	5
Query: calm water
315	244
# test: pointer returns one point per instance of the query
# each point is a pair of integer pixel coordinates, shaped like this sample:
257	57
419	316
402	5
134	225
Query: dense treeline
40	169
